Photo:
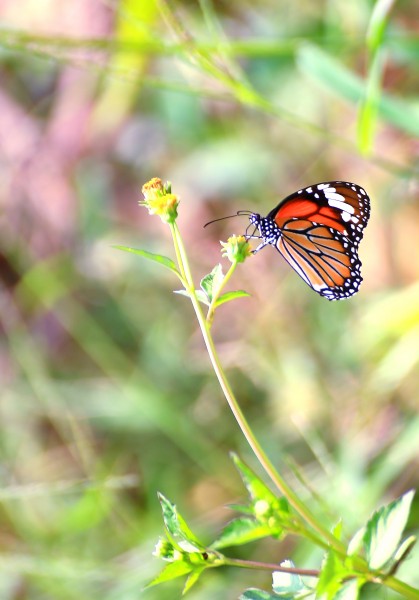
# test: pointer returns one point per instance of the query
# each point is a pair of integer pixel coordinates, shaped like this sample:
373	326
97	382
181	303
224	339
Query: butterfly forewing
317	230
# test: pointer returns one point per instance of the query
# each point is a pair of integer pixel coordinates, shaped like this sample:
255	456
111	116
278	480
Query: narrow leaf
378	23
211	283
202	297
404	549
259	491
228	296
192	579
384	530
334	76
177	528
368	112
171	571
401	554
241	531
163	260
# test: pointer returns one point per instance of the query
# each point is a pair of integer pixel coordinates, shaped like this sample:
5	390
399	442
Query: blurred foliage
107	395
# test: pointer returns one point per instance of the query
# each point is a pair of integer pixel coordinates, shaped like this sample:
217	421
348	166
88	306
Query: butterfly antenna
220	219
239	213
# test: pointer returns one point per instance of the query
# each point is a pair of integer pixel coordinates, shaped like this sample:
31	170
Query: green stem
211	309
260	454
180	259
392	582
402	588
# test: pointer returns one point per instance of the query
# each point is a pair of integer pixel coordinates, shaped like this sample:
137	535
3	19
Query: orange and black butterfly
318	230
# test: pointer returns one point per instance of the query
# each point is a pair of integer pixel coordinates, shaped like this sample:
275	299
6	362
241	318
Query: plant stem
270	470
323	538
211	309
402	588
252	564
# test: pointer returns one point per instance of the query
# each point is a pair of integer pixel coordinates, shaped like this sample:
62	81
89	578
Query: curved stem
260	454
323	538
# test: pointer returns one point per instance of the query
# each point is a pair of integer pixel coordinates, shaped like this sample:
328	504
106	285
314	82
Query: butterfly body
317	230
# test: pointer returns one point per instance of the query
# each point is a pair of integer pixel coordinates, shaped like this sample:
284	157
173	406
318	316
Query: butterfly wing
321	227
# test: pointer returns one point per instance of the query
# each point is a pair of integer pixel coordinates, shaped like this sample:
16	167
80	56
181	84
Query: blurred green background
107	395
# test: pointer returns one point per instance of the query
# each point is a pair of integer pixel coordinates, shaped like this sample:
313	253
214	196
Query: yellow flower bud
159	200
236	249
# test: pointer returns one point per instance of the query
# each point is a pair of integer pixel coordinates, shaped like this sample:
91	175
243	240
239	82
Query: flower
165	550
159	200
236	249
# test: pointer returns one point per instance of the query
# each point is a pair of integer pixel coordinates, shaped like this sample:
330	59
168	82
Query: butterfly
317	230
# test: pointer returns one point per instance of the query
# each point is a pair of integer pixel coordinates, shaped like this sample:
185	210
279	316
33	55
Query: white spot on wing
334	196
344	206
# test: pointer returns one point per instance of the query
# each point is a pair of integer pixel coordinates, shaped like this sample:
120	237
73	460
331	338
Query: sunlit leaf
356	542
177	528
258	490
384	530
171	571
331	576
163	260
288	585
404	549
241	531
228	296
192	579
211	283
202	297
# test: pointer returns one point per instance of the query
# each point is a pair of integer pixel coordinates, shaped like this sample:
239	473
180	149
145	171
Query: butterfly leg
261	245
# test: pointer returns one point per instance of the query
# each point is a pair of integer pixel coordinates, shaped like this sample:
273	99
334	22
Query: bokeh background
107	395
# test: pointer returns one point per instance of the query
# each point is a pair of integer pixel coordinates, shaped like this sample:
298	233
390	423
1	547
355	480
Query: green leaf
202	297
403	551
356	542
192	579
368	111
289	585
331	576
349	590
228	296
241	531
337	530
177	528
255	486
378	23
171	571
255	594
243	508
384	530
163	260
334	76
211	283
